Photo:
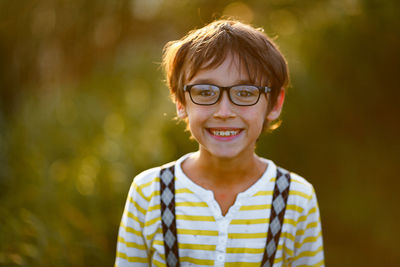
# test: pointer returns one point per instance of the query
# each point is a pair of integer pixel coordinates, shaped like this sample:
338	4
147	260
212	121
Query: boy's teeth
225	133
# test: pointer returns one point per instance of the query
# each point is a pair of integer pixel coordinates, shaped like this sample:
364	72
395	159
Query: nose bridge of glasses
224	92
225	104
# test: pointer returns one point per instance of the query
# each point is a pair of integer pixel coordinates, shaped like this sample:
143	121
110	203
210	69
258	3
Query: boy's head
208	47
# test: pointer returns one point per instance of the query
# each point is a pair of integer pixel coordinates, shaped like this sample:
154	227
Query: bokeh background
84	108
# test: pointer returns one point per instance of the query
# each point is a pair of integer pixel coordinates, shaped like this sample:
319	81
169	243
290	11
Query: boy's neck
225	177
206	169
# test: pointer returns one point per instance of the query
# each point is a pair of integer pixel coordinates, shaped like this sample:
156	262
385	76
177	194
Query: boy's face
225	130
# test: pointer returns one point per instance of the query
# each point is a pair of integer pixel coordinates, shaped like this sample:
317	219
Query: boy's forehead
232	67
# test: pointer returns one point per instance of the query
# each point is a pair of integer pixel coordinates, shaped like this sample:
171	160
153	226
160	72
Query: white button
220	257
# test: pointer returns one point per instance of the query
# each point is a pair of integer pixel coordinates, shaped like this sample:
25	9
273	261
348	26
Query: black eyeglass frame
262	89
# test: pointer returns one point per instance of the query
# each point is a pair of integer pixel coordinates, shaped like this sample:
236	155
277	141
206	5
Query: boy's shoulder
300	184
147	183
146	175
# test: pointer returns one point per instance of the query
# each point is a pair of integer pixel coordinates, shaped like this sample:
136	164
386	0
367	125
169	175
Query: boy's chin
222	154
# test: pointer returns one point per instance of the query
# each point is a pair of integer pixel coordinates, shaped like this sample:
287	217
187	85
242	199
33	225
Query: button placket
222	241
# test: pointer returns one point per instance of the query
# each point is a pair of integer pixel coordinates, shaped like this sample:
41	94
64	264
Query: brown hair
207	48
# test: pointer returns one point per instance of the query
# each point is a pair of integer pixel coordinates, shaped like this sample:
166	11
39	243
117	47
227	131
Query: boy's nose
224	108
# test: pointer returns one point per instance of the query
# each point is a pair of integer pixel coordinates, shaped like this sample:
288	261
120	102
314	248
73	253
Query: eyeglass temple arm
266	89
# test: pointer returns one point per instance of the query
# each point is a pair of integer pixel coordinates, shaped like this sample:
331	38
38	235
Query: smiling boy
222	205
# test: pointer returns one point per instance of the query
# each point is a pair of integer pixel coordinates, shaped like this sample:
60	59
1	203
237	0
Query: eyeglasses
241	95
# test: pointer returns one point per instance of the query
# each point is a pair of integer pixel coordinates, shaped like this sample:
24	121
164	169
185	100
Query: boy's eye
246	92
204	91
207	93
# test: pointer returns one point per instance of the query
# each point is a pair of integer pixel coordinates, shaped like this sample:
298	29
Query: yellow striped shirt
206	238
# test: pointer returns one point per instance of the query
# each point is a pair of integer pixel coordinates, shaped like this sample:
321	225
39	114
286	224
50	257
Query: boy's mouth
224	132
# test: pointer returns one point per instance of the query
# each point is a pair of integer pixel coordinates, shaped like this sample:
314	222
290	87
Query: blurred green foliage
84	109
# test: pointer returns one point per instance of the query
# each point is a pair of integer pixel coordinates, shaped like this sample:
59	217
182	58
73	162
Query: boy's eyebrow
211	81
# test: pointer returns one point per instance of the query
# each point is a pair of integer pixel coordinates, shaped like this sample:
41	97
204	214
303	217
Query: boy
222	205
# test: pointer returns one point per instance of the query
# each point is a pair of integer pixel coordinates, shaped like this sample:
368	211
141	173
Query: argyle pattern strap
168	220
278	207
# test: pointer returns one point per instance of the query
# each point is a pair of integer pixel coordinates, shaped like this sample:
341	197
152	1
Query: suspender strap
168	220
278	207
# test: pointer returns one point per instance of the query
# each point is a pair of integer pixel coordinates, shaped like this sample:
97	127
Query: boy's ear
276	110
180	110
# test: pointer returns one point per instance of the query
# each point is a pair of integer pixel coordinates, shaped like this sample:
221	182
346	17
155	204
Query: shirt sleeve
308	242
131	246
